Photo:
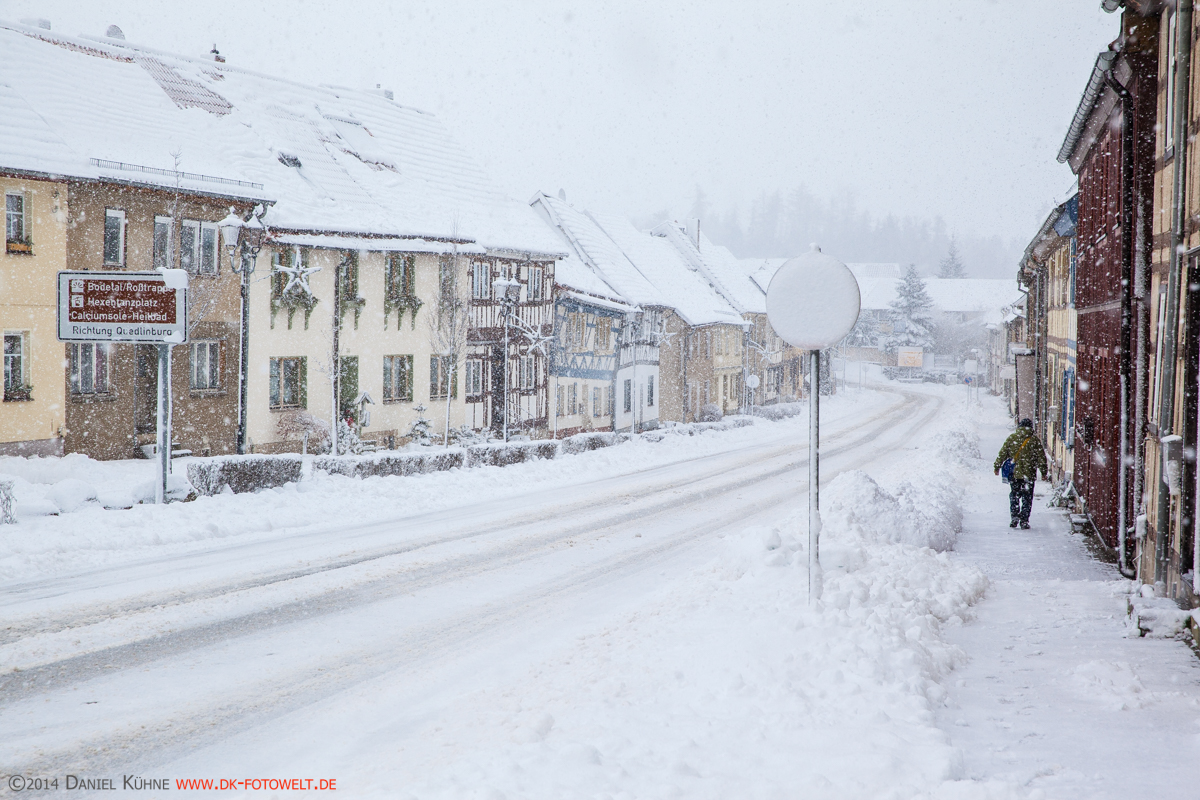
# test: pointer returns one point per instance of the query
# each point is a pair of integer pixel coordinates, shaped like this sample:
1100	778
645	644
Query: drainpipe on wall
1166	415
1123	461
335	415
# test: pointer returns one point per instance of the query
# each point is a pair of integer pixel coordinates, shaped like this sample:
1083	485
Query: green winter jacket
1032	457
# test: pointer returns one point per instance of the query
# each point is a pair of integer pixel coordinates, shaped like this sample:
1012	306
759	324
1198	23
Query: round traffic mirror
813	301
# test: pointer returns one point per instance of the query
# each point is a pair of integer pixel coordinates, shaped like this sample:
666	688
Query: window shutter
274	390
303	382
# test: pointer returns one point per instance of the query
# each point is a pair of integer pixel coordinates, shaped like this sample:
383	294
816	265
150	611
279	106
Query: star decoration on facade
298	275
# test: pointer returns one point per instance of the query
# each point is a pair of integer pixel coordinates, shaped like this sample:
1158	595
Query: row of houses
388	286
1109	349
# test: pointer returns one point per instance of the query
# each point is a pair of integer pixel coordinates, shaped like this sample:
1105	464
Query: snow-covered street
629	622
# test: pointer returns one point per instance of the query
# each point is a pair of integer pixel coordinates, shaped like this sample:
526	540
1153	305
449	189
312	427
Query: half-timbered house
609	319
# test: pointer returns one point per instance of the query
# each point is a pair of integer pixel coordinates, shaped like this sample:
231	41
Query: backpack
1010	465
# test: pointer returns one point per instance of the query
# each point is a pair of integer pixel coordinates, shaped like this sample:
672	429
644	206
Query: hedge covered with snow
499	454
241	474
583	442
387	464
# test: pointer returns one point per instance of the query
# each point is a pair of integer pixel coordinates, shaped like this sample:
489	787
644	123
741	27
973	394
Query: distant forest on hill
783	224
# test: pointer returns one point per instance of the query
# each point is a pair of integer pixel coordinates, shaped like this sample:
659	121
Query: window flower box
18	394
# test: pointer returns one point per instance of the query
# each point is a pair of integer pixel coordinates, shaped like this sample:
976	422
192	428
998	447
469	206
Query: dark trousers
1020	499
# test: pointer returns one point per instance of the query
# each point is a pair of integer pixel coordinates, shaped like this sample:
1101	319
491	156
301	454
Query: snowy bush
710	412
501	455
243	473
295	425
8	503
582	442
419	431
779	411
389	464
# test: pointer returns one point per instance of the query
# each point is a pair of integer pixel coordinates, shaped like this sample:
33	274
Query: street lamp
510	293
243	255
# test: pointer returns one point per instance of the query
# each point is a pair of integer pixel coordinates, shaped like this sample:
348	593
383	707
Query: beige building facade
33	408
387	347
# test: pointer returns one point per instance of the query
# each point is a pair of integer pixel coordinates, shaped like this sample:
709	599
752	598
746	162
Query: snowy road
164	661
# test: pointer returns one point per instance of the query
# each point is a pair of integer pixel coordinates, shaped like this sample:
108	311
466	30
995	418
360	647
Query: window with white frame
89	368
162	242
535	291
474	377
628	395
210	259
597	408
442	381
481	280
16	365
650	391
603	334
16	221
289	383
206	364
198	247
114	237
528	376
189	245
573	398
397	378
560	404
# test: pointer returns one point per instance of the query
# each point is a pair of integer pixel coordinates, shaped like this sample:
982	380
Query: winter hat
1026	423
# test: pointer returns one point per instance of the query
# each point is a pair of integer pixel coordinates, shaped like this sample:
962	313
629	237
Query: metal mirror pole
814	475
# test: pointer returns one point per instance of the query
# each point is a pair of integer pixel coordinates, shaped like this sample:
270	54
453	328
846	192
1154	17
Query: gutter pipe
1127	222
1166	415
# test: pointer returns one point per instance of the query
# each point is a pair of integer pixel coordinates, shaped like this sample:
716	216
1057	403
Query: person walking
1025	451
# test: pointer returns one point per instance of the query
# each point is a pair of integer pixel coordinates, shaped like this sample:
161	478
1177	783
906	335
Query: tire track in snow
475	521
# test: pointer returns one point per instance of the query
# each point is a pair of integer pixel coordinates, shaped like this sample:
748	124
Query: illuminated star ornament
297	274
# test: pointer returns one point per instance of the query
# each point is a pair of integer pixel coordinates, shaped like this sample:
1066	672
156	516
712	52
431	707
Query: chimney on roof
216	55
36	22
114	32
693	231
562	195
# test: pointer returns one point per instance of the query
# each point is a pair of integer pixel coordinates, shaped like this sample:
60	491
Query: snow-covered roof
598	251
876	270
717	265
964	295
333	160
681	288
377	244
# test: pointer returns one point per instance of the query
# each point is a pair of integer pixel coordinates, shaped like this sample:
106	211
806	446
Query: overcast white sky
915	108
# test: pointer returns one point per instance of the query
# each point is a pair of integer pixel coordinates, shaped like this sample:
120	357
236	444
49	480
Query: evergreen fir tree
911	315
952	266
